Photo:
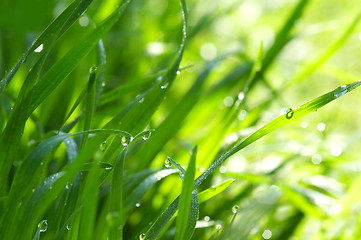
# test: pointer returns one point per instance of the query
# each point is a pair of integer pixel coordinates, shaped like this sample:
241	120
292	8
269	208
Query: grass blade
182	227
116	199
291	115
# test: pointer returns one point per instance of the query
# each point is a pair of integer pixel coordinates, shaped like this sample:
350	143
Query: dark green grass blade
61	69
89	203
47	84
116	199
58	26
36	198
182	229
25	177
90	104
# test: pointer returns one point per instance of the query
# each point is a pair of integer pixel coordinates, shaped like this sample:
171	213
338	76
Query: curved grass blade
61	69
282	120
116	199
36	198
291	115
213	191
143	187
25	177
183	230
59	26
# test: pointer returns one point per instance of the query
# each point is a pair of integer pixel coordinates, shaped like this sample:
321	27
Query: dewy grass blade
61	69
48	83
282	120
116	211
214	190
137	114
185	201
289	116
49	31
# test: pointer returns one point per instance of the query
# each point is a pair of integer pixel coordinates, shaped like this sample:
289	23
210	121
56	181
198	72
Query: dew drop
137	205
267	234
43	225
39	49
146	135
126	140
159	78
218	226
181	175
178	72
141	100
103	146
289	113
93	69
340	91
207	218
235	209
164	86
167	163
67	227
142	236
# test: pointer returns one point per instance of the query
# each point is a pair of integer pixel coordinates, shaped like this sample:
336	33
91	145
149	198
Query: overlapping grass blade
282	120
291	115
47	84
137	114
168	128
183	229
57	27
116	199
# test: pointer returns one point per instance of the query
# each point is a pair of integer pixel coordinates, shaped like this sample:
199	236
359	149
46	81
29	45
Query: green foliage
99	154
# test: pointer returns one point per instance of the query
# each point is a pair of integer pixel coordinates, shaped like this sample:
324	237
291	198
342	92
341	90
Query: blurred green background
300	182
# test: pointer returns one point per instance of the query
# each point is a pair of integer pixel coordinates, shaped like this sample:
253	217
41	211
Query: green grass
97	127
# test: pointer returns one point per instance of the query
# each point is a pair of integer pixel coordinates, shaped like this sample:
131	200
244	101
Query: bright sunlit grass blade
315	64
184	217
289	116
116	199
214	190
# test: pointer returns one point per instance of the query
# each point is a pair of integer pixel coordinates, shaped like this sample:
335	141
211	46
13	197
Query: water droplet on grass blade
68	227
289	113
126	140
235	209
142	236
340	91
164	86
103	146
267	234
93	69
167	163
178	72
218	226
43	225
137	205
146	135
207	218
